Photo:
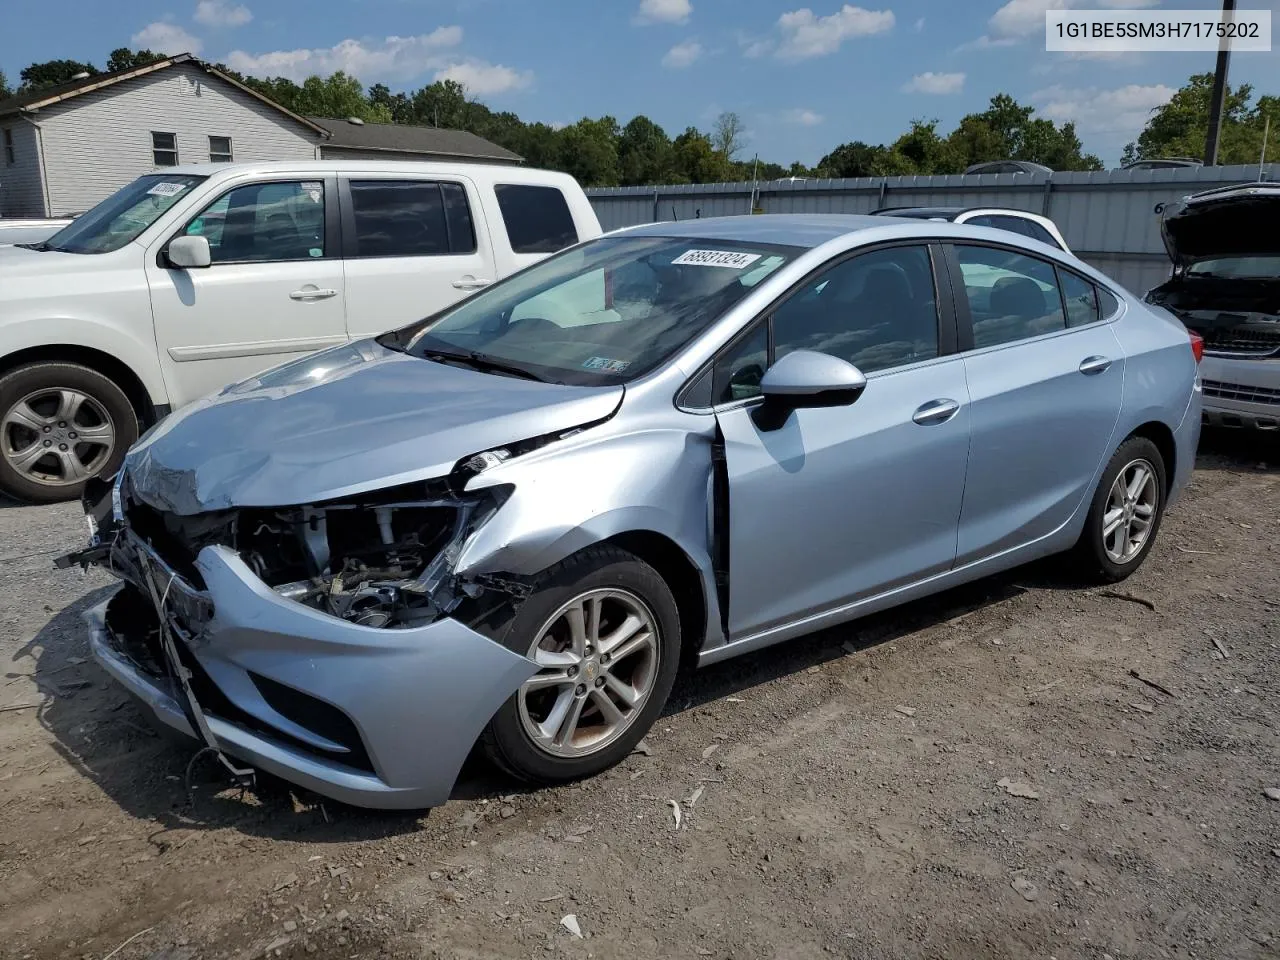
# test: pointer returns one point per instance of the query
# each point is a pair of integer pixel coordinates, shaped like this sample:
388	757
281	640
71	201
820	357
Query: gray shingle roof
400	138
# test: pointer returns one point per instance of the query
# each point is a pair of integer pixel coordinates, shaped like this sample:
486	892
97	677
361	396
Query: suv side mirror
189	253
806	378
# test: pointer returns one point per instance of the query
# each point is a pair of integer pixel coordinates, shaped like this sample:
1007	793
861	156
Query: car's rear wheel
1125	514
604	629
60	424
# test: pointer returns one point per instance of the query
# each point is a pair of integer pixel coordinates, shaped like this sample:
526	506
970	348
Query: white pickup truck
197	276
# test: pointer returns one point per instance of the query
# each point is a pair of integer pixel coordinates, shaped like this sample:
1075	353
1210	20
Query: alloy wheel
598	656
1130	512
57	436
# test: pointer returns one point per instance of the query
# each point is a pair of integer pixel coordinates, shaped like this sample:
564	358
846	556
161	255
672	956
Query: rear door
1045	377
411	247
272	293
839	504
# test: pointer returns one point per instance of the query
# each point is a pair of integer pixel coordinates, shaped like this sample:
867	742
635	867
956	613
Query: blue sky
803	78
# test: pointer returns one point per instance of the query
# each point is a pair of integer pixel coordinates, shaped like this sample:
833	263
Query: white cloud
930	82
919	25
1105	114
1020	19
219	13
663	11
485	79
805	34
802	117
162	37
395	58
682	55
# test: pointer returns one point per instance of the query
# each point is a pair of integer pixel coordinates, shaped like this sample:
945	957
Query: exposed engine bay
381	560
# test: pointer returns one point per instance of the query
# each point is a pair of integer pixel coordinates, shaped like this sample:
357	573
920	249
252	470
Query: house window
164	148
219	149
8	147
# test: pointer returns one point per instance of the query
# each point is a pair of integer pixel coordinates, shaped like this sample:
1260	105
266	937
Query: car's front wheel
604	630
1126	511
60	424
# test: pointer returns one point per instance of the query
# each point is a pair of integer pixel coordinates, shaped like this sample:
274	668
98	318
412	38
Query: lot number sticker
167	189
716	258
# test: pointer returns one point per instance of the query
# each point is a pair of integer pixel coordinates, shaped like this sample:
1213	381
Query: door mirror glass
806	378
189	253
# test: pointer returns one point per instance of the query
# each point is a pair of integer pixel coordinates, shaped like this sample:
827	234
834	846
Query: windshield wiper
482	361
40	247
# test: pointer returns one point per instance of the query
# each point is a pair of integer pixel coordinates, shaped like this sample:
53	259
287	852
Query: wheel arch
1162	436
683	578
99	361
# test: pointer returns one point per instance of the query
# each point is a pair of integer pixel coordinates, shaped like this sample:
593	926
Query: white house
64	148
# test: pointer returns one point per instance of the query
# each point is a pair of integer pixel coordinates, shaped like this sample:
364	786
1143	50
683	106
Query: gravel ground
978	775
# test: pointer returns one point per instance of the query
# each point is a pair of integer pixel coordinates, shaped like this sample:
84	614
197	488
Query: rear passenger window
537	218
1081	299
1107	303
1011	296
457	217
395	218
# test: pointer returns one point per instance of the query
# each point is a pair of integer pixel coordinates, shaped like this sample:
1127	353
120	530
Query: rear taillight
1197	346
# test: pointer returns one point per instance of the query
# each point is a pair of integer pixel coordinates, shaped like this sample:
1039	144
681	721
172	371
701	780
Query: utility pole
1218	102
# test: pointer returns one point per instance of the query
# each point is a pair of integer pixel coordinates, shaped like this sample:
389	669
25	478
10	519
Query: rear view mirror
805	378
189	253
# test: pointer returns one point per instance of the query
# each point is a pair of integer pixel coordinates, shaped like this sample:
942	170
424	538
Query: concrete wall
1108	217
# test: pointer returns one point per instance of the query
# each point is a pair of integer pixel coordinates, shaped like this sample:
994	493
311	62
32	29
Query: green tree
590	151
50	73
1007	130
645	154
856	159
338	96
697	160
1181	126
396	105
4	86
123	58
442	104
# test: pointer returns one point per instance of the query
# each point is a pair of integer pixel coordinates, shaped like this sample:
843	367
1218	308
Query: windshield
118	219
601	313
1238	268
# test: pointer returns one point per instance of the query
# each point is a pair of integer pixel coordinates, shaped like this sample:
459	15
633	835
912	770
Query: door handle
1092	366
935	411
471	283
312	294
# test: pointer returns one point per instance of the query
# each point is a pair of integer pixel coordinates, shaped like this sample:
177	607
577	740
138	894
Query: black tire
1090	554
106	402
505	739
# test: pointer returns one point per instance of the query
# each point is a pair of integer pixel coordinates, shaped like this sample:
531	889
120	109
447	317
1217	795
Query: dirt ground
978	775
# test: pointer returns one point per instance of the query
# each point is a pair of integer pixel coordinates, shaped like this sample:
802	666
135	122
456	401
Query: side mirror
805	378
189	253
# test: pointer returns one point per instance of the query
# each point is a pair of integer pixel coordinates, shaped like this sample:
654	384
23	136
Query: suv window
1011	296
1037	232
398	218
1081	299
537	218
265	222
876	310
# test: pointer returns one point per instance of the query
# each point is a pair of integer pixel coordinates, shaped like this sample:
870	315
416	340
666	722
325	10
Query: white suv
1000	218
198	276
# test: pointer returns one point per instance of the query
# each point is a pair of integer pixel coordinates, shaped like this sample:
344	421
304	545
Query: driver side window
264	222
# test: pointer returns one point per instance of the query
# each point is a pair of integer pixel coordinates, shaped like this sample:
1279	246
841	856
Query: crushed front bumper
368	716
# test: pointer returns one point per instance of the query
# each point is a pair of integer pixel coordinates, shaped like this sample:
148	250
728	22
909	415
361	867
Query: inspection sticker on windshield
716	258
605	364
167	189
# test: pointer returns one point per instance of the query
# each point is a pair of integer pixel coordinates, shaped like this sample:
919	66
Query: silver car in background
513	522
1225	287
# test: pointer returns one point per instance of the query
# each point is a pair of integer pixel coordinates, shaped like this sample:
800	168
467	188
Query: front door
1046	387
412	248
842	503
273	292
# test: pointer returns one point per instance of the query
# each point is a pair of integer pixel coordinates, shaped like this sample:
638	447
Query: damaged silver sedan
512	523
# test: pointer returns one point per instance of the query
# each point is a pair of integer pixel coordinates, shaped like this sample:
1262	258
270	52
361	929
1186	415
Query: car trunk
1238	316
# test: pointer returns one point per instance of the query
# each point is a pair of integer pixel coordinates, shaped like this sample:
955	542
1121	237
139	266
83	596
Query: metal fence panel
1108	218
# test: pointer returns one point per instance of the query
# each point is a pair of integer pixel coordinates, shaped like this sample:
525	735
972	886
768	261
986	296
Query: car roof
503	172
947	213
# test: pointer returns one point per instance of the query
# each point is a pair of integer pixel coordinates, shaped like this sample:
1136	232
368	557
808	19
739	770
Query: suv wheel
60	424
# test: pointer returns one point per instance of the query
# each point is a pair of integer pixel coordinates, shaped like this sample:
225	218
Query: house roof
401	138
35	100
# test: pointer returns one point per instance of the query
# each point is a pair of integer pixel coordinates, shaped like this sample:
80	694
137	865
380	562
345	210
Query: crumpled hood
350	419
1234	221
